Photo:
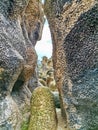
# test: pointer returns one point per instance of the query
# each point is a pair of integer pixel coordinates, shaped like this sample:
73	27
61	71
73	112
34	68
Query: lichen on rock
43	113
74	29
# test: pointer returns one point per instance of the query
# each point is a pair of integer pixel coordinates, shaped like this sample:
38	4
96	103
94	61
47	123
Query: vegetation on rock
43	113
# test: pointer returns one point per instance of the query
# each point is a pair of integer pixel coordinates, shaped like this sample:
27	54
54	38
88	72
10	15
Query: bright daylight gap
44	46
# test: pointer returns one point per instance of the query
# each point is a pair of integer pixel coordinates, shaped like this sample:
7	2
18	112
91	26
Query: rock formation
46	73
74	29
21	23
43	113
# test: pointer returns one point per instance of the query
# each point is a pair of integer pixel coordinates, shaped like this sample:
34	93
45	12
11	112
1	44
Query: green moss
43	113
24	125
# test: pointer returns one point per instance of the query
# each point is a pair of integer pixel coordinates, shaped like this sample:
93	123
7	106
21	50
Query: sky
44	46
43	1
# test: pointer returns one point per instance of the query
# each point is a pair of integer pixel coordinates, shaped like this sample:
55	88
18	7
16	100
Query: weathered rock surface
19	31
43	113
46	73
9	114
74	29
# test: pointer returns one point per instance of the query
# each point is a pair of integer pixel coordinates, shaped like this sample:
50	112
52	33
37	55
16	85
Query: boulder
43	113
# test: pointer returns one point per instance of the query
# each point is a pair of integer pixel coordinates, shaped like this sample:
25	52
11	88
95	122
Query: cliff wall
74	29
21	23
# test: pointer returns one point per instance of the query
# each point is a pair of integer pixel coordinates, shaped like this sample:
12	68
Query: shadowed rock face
74	29
17	58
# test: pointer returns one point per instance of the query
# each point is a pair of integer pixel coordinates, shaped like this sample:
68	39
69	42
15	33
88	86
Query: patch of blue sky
46	22
44	46
43	1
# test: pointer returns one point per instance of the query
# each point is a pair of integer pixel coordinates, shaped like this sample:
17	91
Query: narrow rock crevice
74	30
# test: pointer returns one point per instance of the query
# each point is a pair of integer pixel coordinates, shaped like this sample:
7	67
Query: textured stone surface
46	73
9	114
33	82
18	58
43	113
74	29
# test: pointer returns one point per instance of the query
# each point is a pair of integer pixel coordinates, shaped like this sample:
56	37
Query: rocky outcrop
46	73
43	113
74	29
20	28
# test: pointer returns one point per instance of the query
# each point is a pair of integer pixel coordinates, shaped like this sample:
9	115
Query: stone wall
74	29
